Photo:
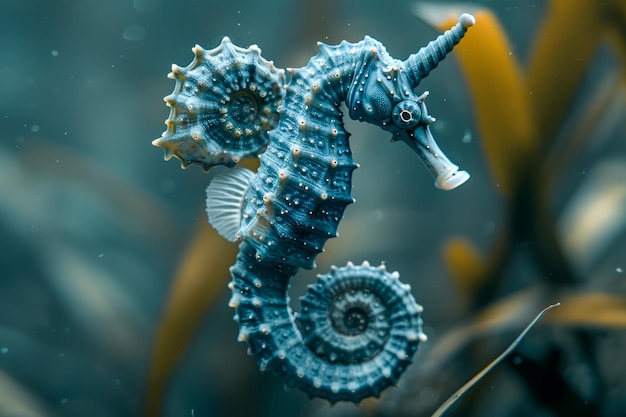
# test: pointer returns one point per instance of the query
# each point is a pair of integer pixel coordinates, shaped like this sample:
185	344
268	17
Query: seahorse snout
447	175
452	179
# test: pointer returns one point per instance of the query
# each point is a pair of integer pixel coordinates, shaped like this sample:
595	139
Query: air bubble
134	33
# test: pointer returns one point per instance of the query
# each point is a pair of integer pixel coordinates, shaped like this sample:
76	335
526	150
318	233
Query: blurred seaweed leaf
519	117
201	275
592	310
191	296
71	329
445	407
16	400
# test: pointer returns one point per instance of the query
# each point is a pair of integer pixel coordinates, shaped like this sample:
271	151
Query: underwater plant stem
469	384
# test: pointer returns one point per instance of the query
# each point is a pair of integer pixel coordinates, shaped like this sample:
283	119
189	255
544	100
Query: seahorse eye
407	114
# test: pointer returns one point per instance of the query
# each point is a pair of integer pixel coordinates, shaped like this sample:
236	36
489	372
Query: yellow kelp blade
469	269
466	265
581	309
202	274
591	310
563	48
498	92
501	316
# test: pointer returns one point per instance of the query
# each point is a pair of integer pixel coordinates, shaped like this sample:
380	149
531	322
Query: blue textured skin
295	201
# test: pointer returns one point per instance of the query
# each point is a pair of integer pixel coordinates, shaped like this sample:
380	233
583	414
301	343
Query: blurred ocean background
113	298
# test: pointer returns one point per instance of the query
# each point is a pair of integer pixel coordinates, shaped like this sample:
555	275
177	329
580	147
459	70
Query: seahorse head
382	93
410	124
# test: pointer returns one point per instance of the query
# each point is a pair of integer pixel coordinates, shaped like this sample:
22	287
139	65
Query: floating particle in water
134	33
467	137
619	270
4	350
34	128
146	6
54	52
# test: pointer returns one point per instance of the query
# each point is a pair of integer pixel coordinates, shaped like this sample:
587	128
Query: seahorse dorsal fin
224	201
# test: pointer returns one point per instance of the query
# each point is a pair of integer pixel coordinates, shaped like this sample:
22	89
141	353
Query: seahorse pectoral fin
224	201
447	175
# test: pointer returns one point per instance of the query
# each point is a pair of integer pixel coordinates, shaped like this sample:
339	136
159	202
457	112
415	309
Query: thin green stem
469	384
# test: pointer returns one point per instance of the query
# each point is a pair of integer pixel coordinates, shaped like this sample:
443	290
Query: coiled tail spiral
357	332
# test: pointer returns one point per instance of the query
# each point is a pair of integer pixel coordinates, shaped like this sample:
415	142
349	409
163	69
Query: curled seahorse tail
357	332
420	64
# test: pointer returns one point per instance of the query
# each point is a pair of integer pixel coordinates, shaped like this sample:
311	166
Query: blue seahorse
359	326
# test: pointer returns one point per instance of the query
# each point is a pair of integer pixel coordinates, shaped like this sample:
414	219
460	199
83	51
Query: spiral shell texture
357	332
359	326
356	312
222	107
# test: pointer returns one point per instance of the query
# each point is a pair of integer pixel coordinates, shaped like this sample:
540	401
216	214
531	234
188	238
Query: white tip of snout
467	20
451	180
